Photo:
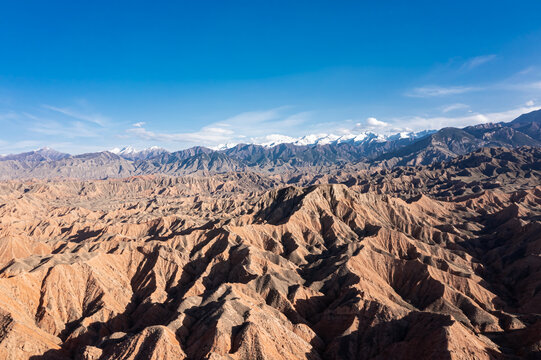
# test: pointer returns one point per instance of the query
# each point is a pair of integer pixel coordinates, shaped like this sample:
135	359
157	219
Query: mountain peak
330	139
124	150
131	153
533	116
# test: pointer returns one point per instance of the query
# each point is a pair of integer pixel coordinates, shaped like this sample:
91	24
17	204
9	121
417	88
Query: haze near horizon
84	77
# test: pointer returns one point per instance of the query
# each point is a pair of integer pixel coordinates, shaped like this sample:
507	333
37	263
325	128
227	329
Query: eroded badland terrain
436	261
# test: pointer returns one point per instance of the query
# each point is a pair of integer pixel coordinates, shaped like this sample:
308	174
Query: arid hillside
439	261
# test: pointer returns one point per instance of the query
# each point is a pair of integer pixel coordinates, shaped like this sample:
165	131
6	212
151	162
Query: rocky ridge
366	151
432	261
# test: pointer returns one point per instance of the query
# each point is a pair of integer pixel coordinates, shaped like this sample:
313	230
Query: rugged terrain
364	151
438	261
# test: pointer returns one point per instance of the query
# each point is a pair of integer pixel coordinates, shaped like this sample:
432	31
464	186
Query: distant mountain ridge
363	150
333	139
131	153
44	154
451	142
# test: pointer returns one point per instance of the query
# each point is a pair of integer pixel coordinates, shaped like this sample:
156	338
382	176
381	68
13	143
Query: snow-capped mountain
129	152
276	152
222	146
269	141
410	135
329	139
123	151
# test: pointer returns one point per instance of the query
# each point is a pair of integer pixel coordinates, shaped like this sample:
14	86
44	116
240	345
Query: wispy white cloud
97	119
454	107
32	145
527	80
526	86
439	91
18	146
239	128
530	103
476	62
417	123
72	130
527	70
72	125
8	116
206	136
26	143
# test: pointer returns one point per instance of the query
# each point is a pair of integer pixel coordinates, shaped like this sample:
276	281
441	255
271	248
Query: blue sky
84	76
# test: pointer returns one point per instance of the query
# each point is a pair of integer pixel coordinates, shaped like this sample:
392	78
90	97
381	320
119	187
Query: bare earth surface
431	262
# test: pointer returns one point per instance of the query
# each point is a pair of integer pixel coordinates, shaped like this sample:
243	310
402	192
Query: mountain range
362	150
416	246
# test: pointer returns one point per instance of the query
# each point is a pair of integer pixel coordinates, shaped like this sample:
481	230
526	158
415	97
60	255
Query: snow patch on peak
326	139
123	151
223	146
129	152
276	139
317	139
